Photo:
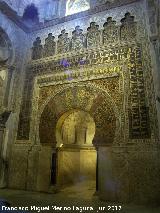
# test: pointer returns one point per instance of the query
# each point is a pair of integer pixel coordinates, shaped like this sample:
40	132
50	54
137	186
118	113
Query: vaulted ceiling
50	9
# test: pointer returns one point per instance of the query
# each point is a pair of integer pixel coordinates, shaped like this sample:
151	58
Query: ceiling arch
6	51
50	9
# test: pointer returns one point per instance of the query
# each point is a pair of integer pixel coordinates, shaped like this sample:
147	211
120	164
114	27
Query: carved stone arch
6	51
7	59
75	120
10	38
89	85
82	97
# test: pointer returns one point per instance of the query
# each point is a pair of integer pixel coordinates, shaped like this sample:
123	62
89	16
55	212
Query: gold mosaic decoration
85	99
116	70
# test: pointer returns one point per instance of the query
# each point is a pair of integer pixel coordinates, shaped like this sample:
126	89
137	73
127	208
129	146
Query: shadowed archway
76	100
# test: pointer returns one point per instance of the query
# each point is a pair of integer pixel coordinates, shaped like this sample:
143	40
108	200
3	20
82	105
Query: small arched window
76	6
31	13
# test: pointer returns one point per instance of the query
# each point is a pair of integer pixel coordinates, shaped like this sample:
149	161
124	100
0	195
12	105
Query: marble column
107	185
3	161
155	50
7	90
1	138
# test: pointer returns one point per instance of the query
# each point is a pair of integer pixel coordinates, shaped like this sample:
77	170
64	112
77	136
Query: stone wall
14	68
130	174
153	11
83	168
121	64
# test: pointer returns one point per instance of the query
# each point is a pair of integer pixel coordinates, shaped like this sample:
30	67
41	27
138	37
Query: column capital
2	127
154	39
3	66
3	118
6	66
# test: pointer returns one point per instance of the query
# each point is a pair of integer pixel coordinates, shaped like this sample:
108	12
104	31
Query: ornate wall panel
114	61
98	66
94	37
138	112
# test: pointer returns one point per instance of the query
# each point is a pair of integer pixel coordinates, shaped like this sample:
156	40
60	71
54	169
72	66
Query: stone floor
80	196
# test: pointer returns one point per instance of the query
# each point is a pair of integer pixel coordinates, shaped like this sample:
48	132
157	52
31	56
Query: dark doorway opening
97	173
54	168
